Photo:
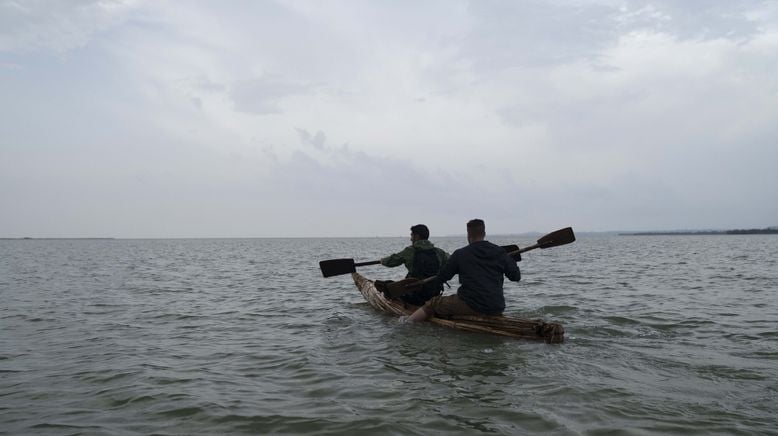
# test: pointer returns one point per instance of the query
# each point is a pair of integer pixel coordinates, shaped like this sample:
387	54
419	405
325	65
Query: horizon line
451	235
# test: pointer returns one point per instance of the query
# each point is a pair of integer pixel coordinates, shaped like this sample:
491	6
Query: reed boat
530	329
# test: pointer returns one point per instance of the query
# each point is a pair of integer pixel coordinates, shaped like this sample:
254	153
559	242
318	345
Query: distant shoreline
54	239
767	231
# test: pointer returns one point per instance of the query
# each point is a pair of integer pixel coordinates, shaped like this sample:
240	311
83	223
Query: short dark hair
421	230
476	227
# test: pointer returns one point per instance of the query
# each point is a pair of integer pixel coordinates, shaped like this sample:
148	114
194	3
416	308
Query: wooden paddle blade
557	238
336	267
510	248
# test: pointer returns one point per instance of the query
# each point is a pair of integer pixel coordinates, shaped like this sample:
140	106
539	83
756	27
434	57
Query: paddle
336	267
553	239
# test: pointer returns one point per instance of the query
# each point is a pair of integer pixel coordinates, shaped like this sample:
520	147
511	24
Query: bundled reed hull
532	329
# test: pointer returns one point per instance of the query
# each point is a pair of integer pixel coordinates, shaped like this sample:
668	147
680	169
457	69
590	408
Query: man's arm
449	269
443	256
512	269
397	259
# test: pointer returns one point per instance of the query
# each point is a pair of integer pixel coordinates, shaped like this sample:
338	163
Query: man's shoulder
487	245
405	252
480	249
423	245
408	249
495	246
460	251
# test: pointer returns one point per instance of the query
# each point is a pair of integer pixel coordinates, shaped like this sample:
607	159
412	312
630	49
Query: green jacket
405	257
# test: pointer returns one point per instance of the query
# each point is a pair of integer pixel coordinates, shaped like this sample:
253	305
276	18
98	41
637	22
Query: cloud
264	95
57	26
316	141
532	115
692	20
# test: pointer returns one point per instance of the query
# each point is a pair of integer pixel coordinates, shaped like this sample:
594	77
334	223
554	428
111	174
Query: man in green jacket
422	259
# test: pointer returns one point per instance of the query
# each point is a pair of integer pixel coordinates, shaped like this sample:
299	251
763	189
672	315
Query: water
665	335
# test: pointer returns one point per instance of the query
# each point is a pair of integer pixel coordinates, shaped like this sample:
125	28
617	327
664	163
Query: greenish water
665	335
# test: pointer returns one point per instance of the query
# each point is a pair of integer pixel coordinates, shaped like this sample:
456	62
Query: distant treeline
765	231
27	238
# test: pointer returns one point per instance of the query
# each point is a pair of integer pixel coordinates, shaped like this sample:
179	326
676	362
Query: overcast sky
362	118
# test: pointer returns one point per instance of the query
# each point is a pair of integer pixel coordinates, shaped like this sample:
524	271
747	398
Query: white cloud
263	96
57	26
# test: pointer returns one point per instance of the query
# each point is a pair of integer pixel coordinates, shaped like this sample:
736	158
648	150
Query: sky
155	119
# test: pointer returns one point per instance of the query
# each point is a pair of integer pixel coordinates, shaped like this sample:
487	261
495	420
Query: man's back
407	255
481	266
422	259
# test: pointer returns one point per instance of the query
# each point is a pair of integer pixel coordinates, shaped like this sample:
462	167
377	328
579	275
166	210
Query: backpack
425	264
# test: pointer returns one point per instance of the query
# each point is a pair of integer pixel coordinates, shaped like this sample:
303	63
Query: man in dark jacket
481	266
422	259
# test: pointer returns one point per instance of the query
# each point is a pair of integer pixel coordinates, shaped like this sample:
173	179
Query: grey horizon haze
146	119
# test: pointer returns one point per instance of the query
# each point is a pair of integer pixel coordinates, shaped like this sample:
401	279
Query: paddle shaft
334	267
372	262
506	247
522	250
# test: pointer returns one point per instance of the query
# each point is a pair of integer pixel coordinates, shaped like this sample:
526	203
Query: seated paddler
481	267
422	259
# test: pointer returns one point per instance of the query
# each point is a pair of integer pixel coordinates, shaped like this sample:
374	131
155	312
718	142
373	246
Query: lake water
665	335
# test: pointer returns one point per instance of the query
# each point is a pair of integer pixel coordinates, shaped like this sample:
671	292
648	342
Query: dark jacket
422	259
481	267
405	257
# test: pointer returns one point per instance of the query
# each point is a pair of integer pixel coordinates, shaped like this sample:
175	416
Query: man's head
420	232
476	230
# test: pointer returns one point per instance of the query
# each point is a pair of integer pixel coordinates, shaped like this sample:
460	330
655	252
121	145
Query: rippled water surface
665	335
